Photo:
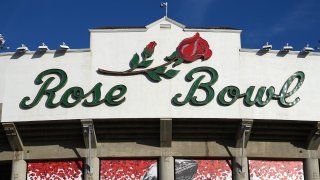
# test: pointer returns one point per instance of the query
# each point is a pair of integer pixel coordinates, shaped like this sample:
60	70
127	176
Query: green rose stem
128	73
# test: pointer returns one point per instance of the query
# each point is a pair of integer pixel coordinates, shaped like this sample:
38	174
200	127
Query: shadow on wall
17	55
282	53
39	54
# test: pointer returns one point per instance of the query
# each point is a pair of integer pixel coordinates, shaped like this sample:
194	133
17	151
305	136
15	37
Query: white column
311	170
94	162
19	169
94	170
166	168
238	172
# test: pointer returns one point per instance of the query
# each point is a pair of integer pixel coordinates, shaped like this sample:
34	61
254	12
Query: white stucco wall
113	49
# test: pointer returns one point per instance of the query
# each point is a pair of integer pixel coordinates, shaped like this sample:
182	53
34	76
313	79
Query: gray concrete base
238	172
166	168
19	170
311	170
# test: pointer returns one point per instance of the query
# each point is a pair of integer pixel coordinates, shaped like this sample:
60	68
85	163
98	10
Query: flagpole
165	4
166	9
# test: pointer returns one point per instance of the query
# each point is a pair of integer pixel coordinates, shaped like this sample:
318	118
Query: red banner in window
128	169
57	170
272	170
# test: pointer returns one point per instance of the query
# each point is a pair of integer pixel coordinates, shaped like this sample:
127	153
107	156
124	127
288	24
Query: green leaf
172	56
134	61
160	70
145	64
171	73
154	76
178	62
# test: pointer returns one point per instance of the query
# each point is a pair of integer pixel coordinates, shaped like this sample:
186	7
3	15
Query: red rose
151	45
148	50
194	48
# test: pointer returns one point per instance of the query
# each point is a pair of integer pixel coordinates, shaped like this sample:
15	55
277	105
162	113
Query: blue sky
53	21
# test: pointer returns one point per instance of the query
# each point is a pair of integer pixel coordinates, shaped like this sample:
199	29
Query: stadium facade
162	101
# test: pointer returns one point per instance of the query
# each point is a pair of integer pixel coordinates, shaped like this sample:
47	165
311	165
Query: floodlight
267	46
64	47
2	40
287	47
43	47
22	49
307	49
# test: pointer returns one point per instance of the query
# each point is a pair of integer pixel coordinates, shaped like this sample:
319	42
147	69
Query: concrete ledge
282	150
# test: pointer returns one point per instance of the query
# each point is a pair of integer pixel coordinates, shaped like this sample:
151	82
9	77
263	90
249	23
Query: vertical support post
314	137
94	174
166	159
95	171
311	164
240	172
311	169
0	111
240	163
166	168
13	136
91	170
243	134
165	132
19	167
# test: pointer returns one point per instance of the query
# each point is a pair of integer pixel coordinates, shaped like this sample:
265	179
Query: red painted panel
274	170
128	169
57	170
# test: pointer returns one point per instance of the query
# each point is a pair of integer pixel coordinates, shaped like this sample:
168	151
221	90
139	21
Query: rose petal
207	55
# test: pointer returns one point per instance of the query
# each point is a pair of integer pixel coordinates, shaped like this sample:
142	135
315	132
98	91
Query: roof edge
49	51
120	29
276	51
212	29
165	18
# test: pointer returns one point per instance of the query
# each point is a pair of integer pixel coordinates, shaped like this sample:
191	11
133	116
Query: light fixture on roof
287	48
307	49
2	41
64	47
267	47
43	47
22	49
